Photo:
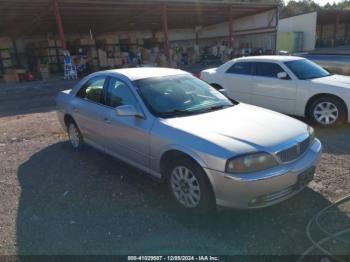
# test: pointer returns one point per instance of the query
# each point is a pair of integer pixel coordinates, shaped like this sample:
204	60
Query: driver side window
267	69
118	94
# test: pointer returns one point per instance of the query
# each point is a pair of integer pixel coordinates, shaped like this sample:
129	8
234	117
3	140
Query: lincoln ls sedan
210	150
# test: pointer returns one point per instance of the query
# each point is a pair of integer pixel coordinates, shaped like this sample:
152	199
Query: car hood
334	80
242	128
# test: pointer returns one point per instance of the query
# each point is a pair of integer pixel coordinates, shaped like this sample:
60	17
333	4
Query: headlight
311	132
250	163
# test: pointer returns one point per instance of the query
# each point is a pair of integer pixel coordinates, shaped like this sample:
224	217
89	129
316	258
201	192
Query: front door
128	136
271	92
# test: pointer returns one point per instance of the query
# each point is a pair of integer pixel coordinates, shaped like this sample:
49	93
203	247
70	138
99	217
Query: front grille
294	152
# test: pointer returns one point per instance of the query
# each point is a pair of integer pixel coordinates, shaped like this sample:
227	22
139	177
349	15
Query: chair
70	70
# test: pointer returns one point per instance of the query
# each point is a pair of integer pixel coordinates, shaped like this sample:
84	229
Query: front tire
189	186
327	111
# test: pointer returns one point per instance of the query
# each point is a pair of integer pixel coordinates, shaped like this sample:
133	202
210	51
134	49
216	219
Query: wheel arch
322	95
68	119
170	154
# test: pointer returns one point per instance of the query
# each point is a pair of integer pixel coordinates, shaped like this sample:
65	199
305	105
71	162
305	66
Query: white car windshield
306	69
180	95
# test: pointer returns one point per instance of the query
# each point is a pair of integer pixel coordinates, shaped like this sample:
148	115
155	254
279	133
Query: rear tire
327	111
75	136
189	186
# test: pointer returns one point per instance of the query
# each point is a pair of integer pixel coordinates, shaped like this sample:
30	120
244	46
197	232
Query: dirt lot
56	201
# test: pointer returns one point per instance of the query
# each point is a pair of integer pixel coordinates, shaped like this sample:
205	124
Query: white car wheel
326	113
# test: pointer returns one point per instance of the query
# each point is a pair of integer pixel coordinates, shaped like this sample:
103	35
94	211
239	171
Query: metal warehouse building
35	34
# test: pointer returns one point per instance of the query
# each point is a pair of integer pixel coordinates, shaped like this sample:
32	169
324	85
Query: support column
335	32
321	36
14	44
346	33
230	27
56	11
276	27
165	30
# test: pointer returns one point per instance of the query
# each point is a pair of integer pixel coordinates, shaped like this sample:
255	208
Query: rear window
242	68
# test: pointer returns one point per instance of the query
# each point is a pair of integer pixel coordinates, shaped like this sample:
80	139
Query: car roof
269	58
146	72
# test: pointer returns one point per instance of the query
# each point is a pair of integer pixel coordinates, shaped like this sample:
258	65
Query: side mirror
282	75
128	110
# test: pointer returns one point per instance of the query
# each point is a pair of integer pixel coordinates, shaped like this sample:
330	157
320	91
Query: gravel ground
56	201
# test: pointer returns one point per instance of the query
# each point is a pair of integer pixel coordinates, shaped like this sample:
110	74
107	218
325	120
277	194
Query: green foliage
299	7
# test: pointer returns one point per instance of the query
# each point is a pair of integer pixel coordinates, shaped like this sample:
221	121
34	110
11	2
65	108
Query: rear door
89	109
271	92
237	80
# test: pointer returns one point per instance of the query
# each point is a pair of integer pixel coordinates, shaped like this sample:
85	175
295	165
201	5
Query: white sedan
287	84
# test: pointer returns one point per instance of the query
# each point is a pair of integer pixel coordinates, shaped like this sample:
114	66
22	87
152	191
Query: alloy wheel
326	113
74	137
185	187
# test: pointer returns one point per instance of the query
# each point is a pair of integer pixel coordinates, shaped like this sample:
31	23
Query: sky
321	2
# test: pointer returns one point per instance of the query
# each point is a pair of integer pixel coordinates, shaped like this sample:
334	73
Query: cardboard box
5	54
5	42
102	55
118	61
110	62
51	42
112	40
7	63
11	77
87	41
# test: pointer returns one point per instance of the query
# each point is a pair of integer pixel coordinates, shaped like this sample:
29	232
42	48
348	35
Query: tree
299	7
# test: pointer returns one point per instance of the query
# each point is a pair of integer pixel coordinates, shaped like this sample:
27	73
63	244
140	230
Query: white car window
267	69
242	68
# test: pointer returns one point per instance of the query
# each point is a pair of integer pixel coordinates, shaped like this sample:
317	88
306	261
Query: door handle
75	109
106	120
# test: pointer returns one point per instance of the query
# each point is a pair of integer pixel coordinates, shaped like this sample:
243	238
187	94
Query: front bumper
264	188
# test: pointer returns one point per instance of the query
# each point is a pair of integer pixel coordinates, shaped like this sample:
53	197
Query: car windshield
306	69
180	95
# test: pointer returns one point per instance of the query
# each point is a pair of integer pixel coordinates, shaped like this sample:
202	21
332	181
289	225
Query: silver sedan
209	149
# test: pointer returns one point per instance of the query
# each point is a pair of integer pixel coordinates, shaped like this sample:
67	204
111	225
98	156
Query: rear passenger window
93	90
267	69
242	68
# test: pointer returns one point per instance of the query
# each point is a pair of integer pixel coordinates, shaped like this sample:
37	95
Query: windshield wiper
176	112
214	108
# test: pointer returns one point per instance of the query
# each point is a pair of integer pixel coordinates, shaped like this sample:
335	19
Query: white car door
237	81
271	92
